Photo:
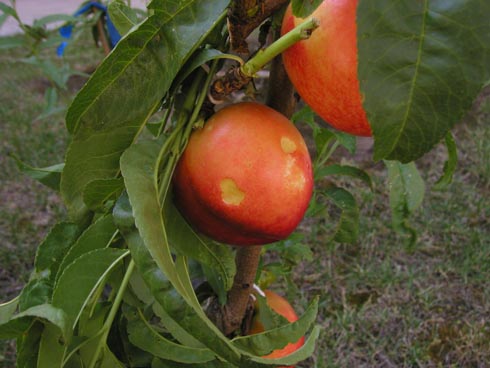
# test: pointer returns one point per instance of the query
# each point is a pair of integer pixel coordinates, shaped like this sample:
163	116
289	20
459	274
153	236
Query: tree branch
246	15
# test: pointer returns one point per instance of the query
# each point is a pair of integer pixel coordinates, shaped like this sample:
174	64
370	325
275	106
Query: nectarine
323	68
246	177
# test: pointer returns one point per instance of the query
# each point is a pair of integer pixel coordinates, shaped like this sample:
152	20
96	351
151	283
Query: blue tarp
66	31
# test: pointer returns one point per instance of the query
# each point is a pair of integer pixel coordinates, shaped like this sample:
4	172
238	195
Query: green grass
27	208
381	304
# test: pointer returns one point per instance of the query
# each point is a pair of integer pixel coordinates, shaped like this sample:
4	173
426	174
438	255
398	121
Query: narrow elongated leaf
52	18
161	363
98	192
138	164
52	348
144	336
21	322
96	236
28	346
75	285
267	316
49	176
186	241
123	17
107	115
54	247
421	65
12	42
9	11
186	322
348	226
351	171
37	291
267	341
297	356
407	190
8	309
450	165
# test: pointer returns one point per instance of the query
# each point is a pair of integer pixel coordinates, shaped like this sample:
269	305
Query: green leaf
305	115
144	336
49	176
407	190
301	354
75	285
351	171
8	10
7	309
184	240
138	167
303	8
175	306
421	65
348	226
160	363
52	348
59	76
12	42
293	249
450	165
37	291
277	338
107	359
51	251
106	116
51	108
348	141
28	346
199	58
267	316
97	235
21	322
99	192
123	17
52	18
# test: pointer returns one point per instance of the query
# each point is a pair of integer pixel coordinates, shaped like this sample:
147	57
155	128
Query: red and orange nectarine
246	177
323	68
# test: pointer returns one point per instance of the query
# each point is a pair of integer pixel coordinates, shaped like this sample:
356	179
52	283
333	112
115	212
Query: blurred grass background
382	305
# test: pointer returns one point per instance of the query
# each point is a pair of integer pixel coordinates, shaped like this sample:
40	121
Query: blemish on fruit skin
287	145
294	176
230	193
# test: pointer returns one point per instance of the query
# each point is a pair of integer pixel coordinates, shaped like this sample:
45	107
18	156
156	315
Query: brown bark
230	317
102	35
280	95
246	15
236	314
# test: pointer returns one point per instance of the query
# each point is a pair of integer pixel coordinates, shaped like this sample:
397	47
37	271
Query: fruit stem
300	32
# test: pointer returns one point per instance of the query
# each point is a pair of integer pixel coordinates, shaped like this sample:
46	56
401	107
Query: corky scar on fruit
288	145
294	176
230	193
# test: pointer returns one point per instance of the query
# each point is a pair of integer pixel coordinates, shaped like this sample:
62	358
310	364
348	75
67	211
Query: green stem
166	117
171	147
300	32
112	313
322	158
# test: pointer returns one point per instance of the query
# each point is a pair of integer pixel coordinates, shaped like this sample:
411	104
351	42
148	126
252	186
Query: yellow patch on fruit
293	174
287	145
230	193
